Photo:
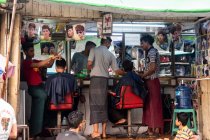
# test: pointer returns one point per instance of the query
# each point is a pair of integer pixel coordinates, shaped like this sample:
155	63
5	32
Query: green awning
2	1
178	6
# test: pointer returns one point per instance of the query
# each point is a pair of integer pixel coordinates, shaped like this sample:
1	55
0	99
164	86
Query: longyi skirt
98	100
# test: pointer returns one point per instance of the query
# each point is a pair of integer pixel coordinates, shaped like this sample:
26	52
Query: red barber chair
67	105
129	100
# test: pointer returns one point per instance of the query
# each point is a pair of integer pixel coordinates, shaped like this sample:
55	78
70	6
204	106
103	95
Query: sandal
97	137
148	135
107	137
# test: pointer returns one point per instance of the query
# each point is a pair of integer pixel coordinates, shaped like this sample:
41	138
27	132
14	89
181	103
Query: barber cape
133	80
58	85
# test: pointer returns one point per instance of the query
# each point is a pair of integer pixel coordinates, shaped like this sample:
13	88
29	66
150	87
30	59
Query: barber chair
67	105
129	101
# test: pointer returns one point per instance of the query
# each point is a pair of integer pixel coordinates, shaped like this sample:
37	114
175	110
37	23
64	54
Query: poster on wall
99	30
47	48
79	31
107	24
69	32
161	41
75	32
29	32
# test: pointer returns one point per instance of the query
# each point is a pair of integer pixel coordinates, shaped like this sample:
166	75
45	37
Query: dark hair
79	28
147	38
127	65
60	63
31	25
90	44
183	118
164	35
69	26
75	118
103	40
27	45
45	27
174	28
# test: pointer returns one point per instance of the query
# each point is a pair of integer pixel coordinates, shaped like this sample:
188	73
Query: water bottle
64	121
183	97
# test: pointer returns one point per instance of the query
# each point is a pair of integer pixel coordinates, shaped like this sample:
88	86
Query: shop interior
182	63
176	65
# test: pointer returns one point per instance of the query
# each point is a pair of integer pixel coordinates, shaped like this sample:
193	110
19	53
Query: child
184	133
76	124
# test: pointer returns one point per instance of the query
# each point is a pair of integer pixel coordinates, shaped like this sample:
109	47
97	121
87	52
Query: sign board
132	39
107	24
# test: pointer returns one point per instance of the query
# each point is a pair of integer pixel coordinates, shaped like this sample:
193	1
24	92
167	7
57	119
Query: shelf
177	63
165	63
182	52
182	63
176	52
163	75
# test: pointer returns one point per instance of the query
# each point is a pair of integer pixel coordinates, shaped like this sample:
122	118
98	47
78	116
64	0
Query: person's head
45	50
75	119
182	119
146	41
89	45
60	65
127	65
46	31
31	29
80	31
106	41
52	49
162	37
176	32
28	48
69	31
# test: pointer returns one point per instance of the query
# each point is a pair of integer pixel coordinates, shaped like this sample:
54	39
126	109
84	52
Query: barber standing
152	111
99	61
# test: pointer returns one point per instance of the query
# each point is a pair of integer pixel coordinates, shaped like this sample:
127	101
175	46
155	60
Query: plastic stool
174	128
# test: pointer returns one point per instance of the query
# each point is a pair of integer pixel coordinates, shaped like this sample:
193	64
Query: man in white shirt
8	125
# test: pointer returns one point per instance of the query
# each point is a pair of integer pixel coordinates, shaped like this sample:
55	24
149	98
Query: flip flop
147	135
94	138
107	137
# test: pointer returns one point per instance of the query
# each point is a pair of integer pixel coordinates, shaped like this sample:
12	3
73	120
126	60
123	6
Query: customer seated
129	79
59	86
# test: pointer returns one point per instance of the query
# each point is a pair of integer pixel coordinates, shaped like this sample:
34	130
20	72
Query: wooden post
3	34
9	44
205	98
3	38
14	81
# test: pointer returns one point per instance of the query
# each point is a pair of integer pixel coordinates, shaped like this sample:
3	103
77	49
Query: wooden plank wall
43	9
40	9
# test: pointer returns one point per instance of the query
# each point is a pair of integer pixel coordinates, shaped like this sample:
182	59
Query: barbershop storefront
128	23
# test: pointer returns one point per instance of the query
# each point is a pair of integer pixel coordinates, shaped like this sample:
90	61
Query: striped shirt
184	134
152	55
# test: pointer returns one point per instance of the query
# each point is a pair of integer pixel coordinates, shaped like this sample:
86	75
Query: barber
152	111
